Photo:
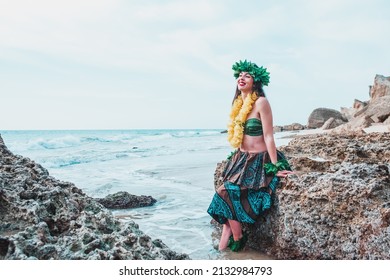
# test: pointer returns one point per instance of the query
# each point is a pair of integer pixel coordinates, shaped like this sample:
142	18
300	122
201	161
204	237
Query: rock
218	173
377	111
354	125
336	206
289	127
320	115
381	87
293	126
44	218
124	200
357	104
332	123
378	108
349	113
334	215
278	128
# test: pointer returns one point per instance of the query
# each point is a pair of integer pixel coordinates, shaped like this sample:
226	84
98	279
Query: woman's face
245	82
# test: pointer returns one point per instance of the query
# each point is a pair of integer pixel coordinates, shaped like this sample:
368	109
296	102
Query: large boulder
320	115
44	218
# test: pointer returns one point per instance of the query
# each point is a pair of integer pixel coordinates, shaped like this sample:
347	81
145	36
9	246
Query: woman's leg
239	237
236	229
226	232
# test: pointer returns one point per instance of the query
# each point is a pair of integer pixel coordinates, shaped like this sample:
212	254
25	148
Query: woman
253	170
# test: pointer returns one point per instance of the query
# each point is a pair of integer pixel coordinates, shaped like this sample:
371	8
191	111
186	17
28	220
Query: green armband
271	168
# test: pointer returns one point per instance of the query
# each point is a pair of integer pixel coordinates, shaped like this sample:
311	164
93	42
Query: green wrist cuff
271	168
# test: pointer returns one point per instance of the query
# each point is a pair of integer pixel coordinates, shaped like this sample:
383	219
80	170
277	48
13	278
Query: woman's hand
284	173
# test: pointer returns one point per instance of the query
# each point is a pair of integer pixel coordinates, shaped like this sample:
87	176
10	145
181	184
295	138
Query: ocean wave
195	133
59	162
53	143
97	139
155	137
71	141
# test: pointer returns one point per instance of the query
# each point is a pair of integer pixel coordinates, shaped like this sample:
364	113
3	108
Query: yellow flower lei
238	115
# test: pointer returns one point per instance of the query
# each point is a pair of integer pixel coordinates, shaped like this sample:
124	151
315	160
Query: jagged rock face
381	87
340	214
43	218
337	206
320	115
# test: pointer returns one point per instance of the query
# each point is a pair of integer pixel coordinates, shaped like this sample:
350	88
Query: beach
176	167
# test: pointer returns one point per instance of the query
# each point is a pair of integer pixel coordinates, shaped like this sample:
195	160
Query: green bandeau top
253	127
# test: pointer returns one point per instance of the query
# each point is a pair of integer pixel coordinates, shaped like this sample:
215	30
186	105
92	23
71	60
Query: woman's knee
221	189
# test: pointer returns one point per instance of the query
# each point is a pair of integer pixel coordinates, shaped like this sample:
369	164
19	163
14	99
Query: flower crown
259	74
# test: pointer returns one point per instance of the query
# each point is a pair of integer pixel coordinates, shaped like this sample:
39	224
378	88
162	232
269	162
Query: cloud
177	11
180	52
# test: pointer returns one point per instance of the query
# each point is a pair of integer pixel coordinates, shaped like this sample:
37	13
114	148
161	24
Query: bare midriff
253	144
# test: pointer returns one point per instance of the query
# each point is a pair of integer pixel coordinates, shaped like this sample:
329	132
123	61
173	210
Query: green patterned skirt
245	193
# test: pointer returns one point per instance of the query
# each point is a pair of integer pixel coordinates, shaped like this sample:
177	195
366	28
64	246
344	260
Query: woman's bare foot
226	233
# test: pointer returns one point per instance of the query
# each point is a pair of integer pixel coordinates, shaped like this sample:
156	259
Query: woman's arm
268	131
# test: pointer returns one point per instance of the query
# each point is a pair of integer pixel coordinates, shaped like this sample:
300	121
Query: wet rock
124	200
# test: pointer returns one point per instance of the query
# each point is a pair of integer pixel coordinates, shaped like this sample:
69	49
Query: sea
176	167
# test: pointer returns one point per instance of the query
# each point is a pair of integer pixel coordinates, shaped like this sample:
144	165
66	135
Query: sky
124	64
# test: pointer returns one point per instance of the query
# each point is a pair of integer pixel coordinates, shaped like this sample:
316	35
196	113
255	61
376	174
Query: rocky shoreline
44	218
336	206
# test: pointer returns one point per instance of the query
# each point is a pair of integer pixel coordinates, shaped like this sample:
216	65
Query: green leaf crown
259	74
